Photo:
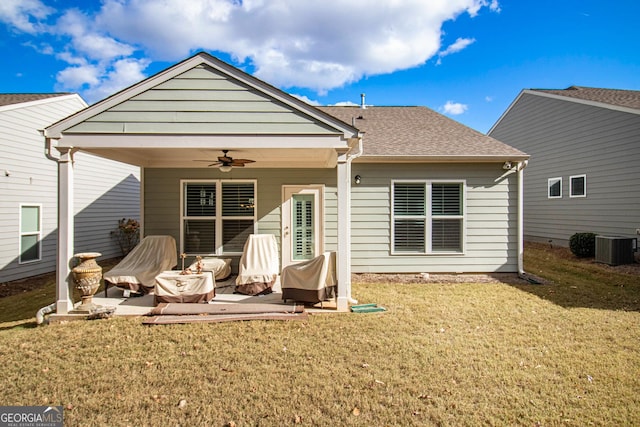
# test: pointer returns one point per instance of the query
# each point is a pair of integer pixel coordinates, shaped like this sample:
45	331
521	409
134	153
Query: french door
302	222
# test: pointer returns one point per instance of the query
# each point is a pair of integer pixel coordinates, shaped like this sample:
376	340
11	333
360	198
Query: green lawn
469	354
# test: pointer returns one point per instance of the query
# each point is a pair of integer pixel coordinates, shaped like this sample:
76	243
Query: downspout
350	158
40	319
520	168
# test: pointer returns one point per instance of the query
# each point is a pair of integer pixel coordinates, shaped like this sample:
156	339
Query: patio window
428	217
30	233
217	216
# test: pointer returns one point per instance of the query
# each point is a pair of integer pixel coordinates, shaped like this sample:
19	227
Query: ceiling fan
225	163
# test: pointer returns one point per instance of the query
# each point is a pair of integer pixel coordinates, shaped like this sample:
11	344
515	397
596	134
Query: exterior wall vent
615	250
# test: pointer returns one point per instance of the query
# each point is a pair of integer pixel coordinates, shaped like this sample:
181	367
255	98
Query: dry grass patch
459	354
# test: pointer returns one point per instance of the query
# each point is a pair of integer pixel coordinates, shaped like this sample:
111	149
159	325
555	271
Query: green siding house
389	189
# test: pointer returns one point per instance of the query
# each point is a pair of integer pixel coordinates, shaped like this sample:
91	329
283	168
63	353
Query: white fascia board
88	141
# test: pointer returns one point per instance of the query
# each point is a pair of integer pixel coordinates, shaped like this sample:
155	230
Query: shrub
583	245
127	234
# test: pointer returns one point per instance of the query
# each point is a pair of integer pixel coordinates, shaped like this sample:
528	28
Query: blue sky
467	59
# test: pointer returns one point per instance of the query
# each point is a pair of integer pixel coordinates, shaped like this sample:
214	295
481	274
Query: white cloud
488	98
457	46
454	108
291	43
347	104
24	15
315	44
306	99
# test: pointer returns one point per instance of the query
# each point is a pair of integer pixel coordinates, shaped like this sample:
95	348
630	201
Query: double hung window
427	217
30	233
217	216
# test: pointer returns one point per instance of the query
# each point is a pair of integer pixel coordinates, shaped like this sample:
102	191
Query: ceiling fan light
225	168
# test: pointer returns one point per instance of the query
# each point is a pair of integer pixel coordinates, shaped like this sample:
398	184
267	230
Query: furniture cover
172	286
138	270
221	267
259	265
310	281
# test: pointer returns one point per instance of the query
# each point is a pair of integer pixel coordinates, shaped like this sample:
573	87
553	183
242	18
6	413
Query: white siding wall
491	243
105	191
566	139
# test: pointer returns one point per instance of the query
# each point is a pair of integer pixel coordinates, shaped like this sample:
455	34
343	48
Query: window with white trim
554	188
578	186
217	216
30	233
427	217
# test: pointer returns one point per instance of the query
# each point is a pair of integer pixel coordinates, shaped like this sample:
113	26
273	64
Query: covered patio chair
311	281
138	270
259	265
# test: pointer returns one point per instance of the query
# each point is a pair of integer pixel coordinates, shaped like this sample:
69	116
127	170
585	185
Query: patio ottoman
171	286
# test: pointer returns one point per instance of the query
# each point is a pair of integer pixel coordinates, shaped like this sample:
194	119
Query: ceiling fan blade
241	162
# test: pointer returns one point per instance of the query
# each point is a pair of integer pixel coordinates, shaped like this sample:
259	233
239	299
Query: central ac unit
615	250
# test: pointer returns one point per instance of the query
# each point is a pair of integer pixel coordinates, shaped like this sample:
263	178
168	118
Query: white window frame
428	217
584	194
38	233
218	218
550	182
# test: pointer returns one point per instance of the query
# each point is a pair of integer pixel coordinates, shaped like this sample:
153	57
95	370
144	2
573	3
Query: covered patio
175	125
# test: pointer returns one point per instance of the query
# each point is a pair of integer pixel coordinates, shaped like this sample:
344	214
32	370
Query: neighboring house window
428	217
578	186
555	188
30	233
217	216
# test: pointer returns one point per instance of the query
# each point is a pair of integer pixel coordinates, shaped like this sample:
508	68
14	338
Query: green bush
583	245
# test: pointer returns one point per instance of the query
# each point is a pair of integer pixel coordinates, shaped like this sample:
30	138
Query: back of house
585	160
106	190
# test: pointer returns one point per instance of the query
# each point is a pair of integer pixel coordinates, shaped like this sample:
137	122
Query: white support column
343	258
64	280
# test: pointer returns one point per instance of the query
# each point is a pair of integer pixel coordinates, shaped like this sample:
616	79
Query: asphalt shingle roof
418	132
617	97
18	98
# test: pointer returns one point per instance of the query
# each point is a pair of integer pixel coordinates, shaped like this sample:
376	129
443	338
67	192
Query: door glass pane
303	226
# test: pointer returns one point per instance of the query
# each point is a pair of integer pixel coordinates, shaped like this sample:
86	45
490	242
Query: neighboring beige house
585	150
104	190
390	189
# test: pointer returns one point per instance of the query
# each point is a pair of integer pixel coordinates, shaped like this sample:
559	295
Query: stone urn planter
86	277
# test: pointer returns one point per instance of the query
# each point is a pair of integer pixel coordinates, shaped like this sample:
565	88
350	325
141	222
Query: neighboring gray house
105	191
584	173
390	189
